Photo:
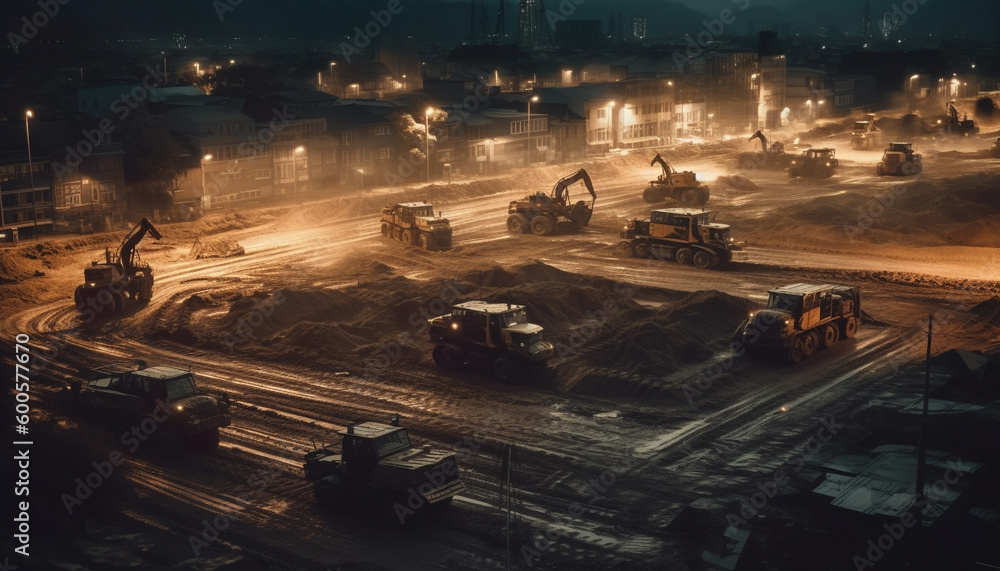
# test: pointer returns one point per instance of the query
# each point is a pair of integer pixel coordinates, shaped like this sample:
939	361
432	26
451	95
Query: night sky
448	20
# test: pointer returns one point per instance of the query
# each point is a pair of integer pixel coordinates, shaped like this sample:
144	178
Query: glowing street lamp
204	192
295	168
362	171
31	172
530	145
611	132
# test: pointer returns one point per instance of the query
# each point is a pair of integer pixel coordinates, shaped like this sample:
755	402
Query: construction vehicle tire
422	241
503	368
641	250
684	256
406	237
330	492
690	197
518	224
702	259
385	228
447	357
652	194
625	249
119	302
704	195
542	225
829	336
850	327
880	169
796	350
397	233
811	343
748	164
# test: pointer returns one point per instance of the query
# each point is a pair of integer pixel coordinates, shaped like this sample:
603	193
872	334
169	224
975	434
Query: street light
611	132
31	173
164	54
295	168
362	171
204	193
533	98
404	82
708	128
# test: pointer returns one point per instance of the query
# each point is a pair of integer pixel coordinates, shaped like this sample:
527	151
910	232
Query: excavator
539	213
953	126
771	158
123	275
680	186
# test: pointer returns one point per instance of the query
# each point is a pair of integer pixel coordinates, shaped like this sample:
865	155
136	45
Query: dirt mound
737	181
988	310
221	248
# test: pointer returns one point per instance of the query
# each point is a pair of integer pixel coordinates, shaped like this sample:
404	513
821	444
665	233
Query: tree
413	135
152	160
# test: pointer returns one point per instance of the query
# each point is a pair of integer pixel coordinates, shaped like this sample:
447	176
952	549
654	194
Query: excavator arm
561	191
667	169
763	140
126	252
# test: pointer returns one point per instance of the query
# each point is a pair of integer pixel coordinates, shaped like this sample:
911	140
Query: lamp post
164	54
535	99
204	191
362	171
708	129
404	82
31	173
295	168
809	109
611	129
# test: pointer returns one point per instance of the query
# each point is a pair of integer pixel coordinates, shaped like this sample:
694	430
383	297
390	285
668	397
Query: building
26	207
772	75
638	28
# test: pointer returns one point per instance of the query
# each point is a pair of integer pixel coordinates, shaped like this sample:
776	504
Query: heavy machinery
995	150
495	336
814	163
801	318
164	402
414	223
771	157
377	465
900	159
539	214
683	235
954	126
122	275
679	186
865	135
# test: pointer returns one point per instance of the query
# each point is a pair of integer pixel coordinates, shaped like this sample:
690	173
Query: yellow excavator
123	275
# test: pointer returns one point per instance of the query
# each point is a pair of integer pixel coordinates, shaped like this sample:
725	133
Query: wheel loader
814	163
540	213
900	160
678	234
493	336
865	135
676	185
123	276
801	318
377	466
415	224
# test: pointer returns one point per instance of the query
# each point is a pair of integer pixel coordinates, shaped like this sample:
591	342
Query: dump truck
415	224
494	336
122	277
165	402
676	185
377	465
770	157
814	163
687	236
540	213
900	159
800	319
865	135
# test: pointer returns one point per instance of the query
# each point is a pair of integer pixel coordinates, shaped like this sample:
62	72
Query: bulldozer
865	135
900	160
494	336
123	276
814	163
679	234
801	318
540	213
679	186
952	125
771	157
378	466
414	223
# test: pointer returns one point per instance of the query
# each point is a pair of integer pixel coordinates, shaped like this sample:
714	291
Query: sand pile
988	310
604	330
221	248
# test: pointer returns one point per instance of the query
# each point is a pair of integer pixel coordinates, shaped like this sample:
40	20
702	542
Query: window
381	130
347	157
328	156
107	163
602	113
261	174
517	127
384	153
345	138
479	151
